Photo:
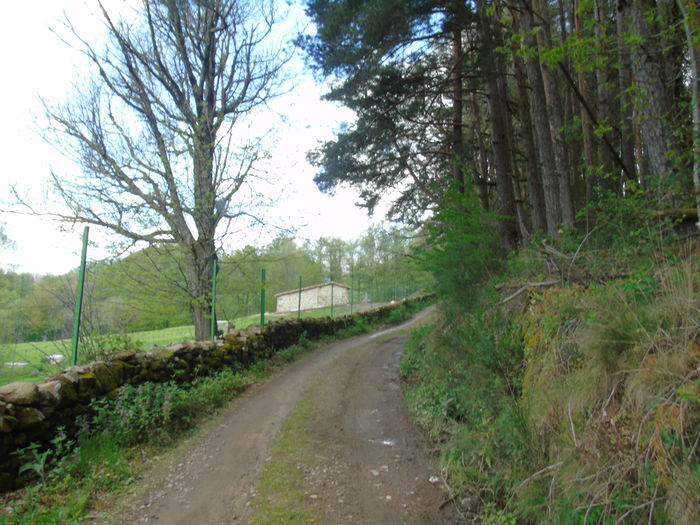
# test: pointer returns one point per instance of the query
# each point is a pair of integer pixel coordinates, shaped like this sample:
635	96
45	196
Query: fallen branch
537	474
651	502
527	286
553	251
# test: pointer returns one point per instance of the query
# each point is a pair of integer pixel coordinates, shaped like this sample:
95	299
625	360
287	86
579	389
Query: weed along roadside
569	402
135	399
349	452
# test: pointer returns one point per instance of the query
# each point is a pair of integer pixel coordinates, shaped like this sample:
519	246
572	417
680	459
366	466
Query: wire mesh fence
142	300
105	327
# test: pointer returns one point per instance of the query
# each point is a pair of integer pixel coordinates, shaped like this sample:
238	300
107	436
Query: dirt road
363	460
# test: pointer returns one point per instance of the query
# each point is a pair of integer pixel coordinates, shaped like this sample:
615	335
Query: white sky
36	63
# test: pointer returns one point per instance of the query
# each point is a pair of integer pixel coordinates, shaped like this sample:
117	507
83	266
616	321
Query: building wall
317	297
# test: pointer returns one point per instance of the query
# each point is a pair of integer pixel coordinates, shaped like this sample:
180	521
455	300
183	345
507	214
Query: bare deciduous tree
156	131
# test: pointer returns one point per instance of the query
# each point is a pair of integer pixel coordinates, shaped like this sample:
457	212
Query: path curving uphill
368	463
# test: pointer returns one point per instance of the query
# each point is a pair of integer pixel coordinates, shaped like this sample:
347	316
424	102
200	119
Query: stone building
316	296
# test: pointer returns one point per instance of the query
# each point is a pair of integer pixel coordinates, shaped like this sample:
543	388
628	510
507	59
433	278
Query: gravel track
375	465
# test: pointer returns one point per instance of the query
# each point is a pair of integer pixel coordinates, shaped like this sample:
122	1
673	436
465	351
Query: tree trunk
589	146
199	283
604	107
648	69
543	135
554	110
639	153
624	77
457	110
500	140
574	146
691	24
535	194
480	177
523	229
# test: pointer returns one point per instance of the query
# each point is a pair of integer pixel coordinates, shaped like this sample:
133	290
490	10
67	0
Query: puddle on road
385	442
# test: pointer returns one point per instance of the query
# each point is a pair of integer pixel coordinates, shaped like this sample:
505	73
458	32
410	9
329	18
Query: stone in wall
33	413
20	393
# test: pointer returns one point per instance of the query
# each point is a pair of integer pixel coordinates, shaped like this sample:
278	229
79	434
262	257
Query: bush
461	251
398	315
140	413
157	412
97	347
464	387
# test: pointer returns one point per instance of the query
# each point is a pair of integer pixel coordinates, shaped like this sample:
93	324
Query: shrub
140	413
97	347
160	411
398	314
461	251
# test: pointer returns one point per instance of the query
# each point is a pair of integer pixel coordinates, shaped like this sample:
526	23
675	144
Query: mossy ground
282	493
580	404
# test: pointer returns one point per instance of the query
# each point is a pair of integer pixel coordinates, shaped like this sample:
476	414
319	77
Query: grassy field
35	355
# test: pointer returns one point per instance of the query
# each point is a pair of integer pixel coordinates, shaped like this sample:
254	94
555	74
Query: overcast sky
37	64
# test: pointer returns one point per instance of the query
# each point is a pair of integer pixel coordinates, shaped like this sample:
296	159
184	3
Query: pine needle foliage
461	250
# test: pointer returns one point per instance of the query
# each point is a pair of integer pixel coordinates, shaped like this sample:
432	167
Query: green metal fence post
79	297
213	298
299	305
262	300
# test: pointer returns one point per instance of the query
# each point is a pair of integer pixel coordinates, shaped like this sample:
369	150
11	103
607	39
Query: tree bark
624	77
649	73
691	24
543	135
457	111
501	142
523	228
480	177
535	193
590	156
556	121
604	106
199	284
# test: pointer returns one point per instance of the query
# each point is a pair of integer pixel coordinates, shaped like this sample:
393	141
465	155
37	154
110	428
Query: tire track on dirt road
359	421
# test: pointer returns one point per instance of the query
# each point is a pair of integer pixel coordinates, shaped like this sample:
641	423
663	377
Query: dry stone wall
33	413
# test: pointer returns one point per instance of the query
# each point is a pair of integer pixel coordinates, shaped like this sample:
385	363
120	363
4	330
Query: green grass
35	354
281	497
162	337
102	464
